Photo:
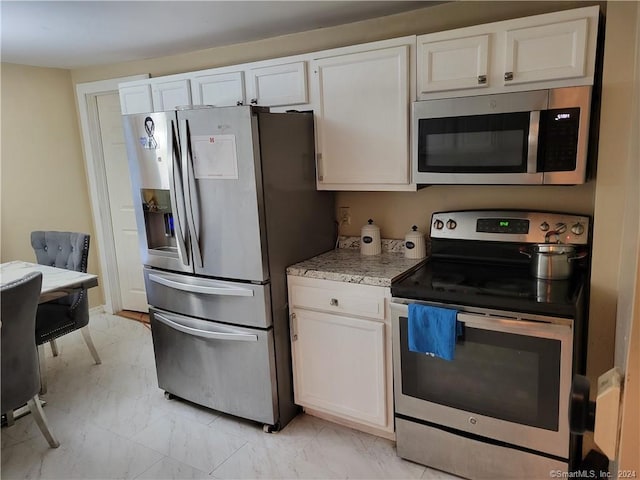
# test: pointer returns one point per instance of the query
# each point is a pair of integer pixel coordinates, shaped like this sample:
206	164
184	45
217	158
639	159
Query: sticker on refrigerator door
149	142
215	156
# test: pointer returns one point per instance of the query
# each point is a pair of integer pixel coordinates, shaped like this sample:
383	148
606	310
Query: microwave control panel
558	144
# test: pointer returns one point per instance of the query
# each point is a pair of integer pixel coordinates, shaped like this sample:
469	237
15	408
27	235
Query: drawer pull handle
334	302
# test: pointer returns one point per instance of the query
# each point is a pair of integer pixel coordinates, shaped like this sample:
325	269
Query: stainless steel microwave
533	137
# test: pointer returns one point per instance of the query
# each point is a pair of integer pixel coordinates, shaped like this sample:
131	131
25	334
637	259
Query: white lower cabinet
342	359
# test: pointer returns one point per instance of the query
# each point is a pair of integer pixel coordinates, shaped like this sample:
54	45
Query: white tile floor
113	422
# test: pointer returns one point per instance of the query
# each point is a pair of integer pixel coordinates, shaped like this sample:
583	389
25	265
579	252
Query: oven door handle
510	325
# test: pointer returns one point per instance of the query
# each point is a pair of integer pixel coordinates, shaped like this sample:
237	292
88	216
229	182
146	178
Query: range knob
577	229
438	224
451	224
544	226
561	227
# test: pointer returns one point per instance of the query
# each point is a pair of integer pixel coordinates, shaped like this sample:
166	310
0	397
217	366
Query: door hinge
292	327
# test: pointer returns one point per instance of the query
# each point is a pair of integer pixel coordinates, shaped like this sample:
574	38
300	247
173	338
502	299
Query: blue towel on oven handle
433	330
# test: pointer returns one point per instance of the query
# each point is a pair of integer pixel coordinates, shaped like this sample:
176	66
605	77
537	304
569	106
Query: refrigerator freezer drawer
229	369
229	302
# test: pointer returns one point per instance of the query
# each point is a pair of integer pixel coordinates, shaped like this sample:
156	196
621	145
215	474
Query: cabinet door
454	64
362	118
339	365
276	85
167	95
136	99
545	52
219	89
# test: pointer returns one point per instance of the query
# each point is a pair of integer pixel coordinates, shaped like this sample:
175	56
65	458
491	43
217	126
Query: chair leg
54	348
89	341
41	420
10	418
43	369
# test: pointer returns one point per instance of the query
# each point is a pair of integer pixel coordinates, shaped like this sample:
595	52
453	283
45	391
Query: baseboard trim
97	310
379	432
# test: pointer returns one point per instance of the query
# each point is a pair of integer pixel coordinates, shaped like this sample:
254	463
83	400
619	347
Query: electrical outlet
345	216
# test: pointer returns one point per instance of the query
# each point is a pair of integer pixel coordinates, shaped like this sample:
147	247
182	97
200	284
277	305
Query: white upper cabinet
277	85
218	89
135	97
546	52
552	50
169	94
453	64
361	100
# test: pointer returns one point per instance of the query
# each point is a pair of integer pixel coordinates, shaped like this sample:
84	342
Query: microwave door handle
177	198
237	337
532	151
189	188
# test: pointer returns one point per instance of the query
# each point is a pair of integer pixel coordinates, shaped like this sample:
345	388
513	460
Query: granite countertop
348	265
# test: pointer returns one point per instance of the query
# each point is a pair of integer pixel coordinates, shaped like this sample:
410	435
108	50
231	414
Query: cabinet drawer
338	301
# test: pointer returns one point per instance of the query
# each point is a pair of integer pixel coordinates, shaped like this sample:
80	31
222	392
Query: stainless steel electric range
499	409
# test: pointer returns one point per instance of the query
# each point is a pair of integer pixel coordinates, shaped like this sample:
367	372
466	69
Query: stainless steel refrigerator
225	200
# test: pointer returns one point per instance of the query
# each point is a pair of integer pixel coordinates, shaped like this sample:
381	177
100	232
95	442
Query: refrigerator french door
199	192
225	200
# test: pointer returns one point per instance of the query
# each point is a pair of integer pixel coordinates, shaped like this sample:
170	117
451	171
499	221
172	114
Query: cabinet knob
482	79
334	302
239	102
508	76
254	101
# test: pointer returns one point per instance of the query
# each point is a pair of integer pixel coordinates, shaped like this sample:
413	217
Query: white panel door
218	89
277	85
362	118
123	220
546	52
136	99
339	365
167	95
455	64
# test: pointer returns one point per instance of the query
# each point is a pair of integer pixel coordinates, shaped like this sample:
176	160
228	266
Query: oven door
509	380
489	139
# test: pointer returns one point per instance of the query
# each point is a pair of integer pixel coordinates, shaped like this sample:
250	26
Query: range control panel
511	226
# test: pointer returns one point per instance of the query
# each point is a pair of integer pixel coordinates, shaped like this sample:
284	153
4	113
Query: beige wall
43	177
627	341
426	20
613	172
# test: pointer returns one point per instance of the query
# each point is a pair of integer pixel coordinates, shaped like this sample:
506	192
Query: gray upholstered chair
20	375
68	250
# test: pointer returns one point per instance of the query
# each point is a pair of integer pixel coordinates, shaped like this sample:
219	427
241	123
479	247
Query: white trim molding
86	94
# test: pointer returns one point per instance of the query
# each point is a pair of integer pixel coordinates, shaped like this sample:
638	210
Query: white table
56	282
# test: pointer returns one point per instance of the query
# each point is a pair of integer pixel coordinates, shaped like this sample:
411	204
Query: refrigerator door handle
190	194
236	337
188	287
178	196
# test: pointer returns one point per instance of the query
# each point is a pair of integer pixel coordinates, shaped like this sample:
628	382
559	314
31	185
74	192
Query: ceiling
75	34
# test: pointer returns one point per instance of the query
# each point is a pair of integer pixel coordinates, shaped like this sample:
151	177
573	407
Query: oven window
501	375
474	144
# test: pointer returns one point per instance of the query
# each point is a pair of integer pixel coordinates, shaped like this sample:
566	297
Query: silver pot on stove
552	261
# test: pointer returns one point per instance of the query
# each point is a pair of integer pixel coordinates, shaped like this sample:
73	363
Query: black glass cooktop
499	287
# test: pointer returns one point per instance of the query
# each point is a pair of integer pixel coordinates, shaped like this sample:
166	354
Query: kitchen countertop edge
350	266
